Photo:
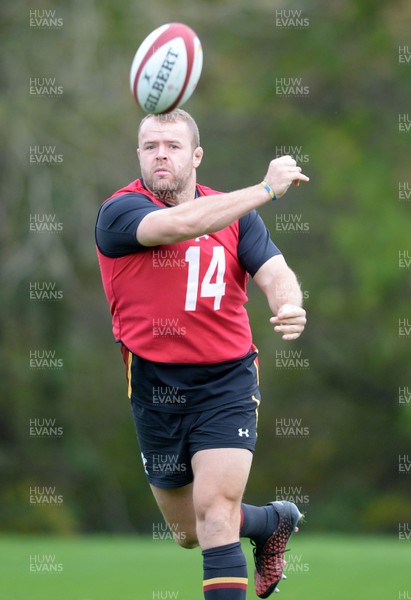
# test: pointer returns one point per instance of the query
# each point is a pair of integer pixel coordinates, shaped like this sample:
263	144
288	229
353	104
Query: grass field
135	568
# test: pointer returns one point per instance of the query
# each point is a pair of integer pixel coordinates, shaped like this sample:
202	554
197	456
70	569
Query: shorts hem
169	485
216	446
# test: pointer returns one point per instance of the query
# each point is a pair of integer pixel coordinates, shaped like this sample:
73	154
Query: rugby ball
166	68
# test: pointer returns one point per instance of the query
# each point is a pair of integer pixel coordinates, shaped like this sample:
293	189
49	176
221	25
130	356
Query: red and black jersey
182	302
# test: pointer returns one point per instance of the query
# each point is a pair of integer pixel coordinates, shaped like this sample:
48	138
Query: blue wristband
269	190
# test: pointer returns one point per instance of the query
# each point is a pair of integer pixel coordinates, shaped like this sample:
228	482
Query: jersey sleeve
117	223
255	246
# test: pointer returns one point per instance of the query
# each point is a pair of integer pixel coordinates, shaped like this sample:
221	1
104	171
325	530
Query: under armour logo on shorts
242	432
143	458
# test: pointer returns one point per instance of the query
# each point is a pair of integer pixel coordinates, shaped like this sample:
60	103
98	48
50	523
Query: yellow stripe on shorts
257	401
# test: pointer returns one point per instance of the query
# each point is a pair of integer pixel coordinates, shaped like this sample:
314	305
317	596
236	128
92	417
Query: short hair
176	115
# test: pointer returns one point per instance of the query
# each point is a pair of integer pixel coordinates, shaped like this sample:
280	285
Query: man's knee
218	514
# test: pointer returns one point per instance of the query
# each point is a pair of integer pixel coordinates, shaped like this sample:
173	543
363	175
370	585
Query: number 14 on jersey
208	289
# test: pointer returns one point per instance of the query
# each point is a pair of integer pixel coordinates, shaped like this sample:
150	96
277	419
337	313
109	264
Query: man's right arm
195	218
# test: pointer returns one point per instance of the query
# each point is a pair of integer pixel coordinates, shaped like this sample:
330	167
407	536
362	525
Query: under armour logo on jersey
242	432
202	236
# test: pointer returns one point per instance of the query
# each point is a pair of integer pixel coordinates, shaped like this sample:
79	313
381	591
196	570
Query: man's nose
161	153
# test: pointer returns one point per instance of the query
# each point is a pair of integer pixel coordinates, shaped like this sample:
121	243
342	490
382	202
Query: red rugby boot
269	557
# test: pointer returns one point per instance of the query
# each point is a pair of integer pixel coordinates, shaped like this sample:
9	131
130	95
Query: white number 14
214	290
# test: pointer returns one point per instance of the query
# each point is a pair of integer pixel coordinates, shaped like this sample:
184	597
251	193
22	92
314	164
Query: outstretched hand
282	172
290	321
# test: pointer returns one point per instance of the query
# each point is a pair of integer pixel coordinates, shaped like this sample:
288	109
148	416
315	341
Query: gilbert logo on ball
166	68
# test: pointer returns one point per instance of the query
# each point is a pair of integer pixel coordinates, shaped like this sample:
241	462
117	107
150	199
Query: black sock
258	522
225	573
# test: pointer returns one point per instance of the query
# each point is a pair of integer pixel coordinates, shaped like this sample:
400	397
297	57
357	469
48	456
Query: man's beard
166	191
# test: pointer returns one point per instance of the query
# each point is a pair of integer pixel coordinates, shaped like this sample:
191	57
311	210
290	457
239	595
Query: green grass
136	568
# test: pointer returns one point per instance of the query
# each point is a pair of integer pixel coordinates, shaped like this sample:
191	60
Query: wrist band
269	190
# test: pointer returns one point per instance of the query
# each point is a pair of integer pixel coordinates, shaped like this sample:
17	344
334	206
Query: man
175	257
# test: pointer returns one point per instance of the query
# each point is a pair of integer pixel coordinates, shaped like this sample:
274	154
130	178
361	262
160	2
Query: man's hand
290	321
282	172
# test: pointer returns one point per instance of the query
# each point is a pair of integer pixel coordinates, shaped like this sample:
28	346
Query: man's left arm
283	292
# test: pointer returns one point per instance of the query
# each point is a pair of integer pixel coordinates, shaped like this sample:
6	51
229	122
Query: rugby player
175	257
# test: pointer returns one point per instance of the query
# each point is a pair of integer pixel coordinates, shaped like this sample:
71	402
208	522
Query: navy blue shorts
170	434
168	441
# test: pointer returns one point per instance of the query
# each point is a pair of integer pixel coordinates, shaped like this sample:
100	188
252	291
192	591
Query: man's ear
197	156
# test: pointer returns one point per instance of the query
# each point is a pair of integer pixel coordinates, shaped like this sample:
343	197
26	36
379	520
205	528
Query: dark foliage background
346	133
